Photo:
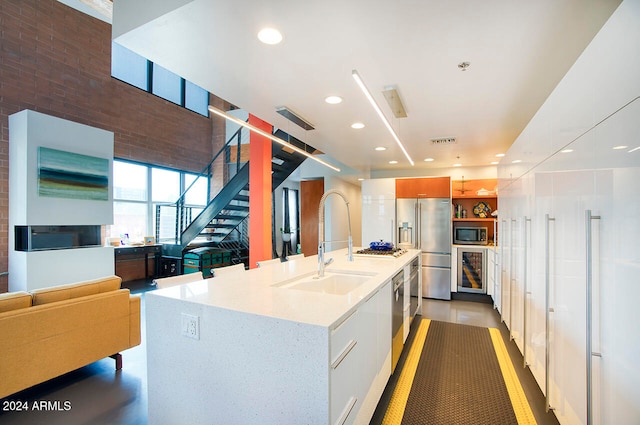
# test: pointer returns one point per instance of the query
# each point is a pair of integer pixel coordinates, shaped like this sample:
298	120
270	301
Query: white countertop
253	291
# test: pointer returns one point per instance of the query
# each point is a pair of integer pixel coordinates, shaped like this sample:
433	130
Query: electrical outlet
190	326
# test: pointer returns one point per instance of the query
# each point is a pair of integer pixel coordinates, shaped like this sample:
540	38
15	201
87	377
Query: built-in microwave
470	235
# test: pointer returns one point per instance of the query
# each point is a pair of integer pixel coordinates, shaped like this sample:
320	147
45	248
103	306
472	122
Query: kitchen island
273	345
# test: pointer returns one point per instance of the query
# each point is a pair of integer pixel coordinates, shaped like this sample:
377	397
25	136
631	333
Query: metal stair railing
183	213
223	210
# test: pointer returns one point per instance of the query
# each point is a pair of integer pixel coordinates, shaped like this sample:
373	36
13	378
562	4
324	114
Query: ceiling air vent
294	117
443	141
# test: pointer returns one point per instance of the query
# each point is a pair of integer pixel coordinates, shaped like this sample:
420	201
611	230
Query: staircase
224	221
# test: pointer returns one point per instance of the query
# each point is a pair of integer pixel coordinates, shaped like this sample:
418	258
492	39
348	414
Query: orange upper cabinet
425	187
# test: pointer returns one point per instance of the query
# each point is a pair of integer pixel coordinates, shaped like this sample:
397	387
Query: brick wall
57	61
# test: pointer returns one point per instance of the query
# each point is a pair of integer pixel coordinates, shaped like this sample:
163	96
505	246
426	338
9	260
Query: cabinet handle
343	354
344	321
511	276
347	410
548	310
503	272
525	248
589	348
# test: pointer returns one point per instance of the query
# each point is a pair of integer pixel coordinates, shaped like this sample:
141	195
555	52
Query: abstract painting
71	175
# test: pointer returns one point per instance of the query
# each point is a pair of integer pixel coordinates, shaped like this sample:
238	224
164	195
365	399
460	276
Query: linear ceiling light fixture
366	92
263	133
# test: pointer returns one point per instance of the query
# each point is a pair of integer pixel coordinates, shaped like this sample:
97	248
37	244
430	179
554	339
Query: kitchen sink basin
330	283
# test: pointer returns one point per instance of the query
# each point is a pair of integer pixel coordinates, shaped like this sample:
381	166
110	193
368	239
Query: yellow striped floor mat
457	374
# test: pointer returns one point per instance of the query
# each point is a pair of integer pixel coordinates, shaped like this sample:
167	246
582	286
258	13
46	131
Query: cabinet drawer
343	336
345	381
345	366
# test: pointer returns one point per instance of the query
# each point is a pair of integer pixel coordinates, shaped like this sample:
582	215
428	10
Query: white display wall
568	241
28	132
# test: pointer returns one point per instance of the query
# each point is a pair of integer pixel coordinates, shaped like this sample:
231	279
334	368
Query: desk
130	259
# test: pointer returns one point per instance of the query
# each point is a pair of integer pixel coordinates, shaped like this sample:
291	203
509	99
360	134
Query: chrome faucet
321	241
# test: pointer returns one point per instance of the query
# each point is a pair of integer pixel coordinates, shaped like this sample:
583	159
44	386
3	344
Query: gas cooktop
385	253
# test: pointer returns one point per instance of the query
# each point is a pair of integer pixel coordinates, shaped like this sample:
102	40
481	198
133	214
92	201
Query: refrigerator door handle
419	226
393	233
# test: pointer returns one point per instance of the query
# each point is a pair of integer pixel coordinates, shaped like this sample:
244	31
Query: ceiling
518	51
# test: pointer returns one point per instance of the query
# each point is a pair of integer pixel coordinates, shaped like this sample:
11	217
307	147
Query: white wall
29	130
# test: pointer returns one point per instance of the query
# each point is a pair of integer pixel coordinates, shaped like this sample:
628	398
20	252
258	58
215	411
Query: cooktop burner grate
384	252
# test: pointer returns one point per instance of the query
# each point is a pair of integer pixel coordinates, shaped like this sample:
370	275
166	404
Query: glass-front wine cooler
472	270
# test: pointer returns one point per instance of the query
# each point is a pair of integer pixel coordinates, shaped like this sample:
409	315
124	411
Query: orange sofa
48	332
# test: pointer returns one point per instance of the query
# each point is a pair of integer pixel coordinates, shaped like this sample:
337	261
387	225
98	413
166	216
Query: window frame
204	111
149	202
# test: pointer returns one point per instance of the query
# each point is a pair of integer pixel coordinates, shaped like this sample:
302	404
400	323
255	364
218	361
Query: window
129	67
152	78
196	98
165	185
138	188
197	195
166	84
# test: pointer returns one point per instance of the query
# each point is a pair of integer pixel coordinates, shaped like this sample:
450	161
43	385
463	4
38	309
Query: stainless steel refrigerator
425	224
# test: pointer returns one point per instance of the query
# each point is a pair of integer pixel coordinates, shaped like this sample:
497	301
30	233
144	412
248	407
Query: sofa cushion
75	290
14	301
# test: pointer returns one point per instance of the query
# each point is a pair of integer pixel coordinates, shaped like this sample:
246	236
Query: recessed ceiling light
333	100
620	147
357	125
428	159
393	162
634	149
495	162
360	179
566	151
381	148
516	161
500	155
457	165
270	36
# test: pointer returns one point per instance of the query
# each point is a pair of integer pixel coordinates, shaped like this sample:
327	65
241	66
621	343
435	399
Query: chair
268	262
294	257
224	271
165	282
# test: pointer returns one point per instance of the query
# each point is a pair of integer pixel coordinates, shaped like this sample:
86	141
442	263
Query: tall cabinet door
378	211
573	191
614	270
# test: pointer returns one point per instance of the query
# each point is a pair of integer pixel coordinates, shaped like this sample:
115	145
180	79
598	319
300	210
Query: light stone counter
258	291
264	354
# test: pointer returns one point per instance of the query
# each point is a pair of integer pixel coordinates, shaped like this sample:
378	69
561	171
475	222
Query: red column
259	193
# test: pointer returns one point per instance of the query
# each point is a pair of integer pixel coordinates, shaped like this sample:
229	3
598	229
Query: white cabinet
346	356
569	231
378	210
360	360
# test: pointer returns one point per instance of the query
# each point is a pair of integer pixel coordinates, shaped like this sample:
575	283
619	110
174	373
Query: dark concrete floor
97	394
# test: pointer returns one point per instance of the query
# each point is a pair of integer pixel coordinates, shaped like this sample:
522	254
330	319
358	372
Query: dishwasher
414	280
397	317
